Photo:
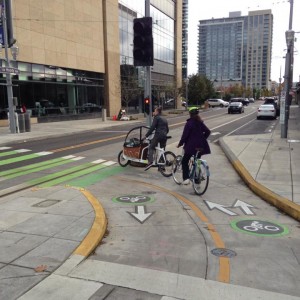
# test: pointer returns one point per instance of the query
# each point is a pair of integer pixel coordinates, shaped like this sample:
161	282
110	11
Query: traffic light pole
147	92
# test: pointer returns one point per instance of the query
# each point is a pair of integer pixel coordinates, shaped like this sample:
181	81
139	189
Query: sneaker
185	182
148	166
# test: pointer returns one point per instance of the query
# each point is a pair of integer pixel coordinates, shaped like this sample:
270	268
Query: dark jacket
160	125
195	134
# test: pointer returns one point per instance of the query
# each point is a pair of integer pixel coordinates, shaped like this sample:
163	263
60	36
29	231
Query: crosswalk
69	170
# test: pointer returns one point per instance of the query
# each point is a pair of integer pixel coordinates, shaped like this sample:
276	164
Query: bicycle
199	172
136	150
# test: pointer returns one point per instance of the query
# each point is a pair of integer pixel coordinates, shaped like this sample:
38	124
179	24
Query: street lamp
284	112
186	92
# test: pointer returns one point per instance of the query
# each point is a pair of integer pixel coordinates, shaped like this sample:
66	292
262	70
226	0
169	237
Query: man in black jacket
160	125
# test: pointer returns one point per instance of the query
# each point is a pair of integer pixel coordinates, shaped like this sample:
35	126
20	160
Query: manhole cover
223	252
46	203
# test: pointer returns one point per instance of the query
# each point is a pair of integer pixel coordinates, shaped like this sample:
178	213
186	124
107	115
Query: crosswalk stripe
99	161
22	150
4	148
43	153
109	163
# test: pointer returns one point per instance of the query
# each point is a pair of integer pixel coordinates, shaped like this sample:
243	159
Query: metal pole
148	93
11	107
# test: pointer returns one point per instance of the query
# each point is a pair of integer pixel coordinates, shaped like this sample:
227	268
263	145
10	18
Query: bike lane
228	235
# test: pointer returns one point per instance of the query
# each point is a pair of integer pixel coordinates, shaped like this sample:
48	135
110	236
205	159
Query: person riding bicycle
160	125
194	137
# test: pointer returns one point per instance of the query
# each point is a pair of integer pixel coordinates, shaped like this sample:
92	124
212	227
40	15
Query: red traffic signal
147	106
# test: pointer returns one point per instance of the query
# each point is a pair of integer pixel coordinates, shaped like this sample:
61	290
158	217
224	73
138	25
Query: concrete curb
290	208
97	231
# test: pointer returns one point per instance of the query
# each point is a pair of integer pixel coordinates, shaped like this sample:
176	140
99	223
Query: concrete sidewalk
58	238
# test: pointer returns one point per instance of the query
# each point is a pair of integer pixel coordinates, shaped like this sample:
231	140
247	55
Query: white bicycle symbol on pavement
256	226
133	199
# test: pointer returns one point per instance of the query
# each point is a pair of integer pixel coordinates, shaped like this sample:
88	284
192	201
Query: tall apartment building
237	49
71	52
185	7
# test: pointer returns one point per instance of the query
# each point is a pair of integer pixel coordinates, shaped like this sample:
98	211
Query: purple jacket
195	134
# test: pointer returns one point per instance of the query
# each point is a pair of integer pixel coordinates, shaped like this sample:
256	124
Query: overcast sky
202	10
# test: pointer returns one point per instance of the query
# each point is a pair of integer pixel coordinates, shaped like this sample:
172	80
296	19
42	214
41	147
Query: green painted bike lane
20	158
16	172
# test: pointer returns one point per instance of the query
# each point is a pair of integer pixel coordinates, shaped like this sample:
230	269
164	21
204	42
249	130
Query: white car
217	102
266	110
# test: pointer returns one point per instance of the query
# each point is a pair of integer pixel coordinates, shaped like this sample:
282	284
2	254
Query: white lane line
99	161
69	156
77	158
5	148
109	163
43	153
22	150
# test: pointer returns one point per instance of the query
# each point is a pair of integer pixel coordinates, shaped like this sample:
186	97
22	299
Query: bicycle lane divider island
224	262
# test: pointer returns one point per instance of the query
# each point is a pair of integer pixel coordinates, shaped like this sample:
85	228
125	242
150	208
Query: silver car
267	111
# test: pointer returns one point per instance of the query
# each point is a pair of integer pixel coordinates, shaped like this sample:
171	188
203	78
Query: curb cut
284	204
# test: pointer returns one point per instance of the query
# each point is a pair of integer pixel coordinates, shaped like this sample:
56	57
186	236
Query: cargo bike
135	150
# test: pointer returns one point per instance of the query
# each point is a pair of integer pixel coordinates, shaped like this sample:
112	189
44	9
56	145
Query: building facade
185	15
71	52
237	49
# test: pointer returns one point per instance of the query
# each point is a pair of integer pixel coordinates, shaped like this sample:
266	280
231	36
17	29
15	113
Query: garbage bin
27	122
21	121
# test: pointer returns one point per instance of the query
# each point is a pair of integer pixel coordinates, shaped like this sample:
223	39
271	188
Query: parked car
91	107
217	102
266	110
273	101
236	107
251	100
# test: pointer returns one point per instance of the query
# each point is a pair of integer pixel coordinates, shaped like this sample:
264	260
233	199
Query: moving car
244	101
236	107
217	102
267	111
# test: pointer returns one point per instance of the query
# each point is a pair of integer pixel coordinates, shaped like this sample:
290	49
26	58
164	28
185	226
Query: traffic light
147	106
142	42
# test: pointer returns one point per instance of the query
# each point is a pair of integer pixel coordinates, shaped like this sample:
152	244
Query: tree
200	88
130	90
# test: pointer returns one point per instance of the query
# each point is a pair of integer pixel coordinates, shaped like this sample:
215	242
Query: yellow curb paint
224	262
97	231
284	204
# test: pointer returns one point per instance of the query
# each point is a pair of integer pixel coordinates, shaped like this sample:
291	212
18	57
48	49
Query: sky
203	10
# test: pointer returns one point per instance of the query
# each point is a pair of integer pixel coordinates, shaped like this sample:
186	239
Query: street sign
10	70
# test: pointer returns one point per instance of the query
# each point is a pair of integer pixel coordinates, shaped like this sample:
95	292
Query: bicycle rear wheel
200	179
166	170
177	169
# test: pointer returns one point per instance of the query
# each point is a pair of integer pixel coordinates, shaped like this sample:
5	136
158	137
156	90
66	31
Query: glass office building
73	54
237	49
163	71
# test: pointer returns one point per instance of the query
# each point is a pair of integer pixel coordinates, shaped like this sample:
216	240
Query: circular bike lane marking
224	262
259	227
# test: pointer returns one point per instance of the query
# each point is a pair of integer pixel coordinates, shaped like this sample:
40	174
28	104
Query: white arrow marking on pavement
245	207
215	133
222	208
140	213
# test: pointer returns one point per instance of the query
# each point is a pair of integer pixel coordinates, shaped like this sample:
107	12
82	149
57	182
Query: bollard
27	122
21	121
104	114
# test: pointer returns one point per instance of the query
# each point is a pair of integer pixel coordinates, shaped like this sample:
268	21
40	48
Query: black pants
156	139
185	165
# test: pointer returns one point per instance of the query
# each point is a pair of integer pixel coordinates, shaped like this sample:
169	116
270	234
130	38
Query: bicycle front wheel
123	162
166	170
200	179
177	169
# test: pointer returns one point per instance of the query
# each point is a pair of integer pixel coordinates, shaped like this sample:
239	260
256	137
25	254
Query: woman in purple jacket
194	137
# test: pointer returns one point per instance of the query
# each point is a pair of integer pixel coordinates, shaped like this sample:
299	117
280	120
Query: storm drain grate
223	252
46	203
